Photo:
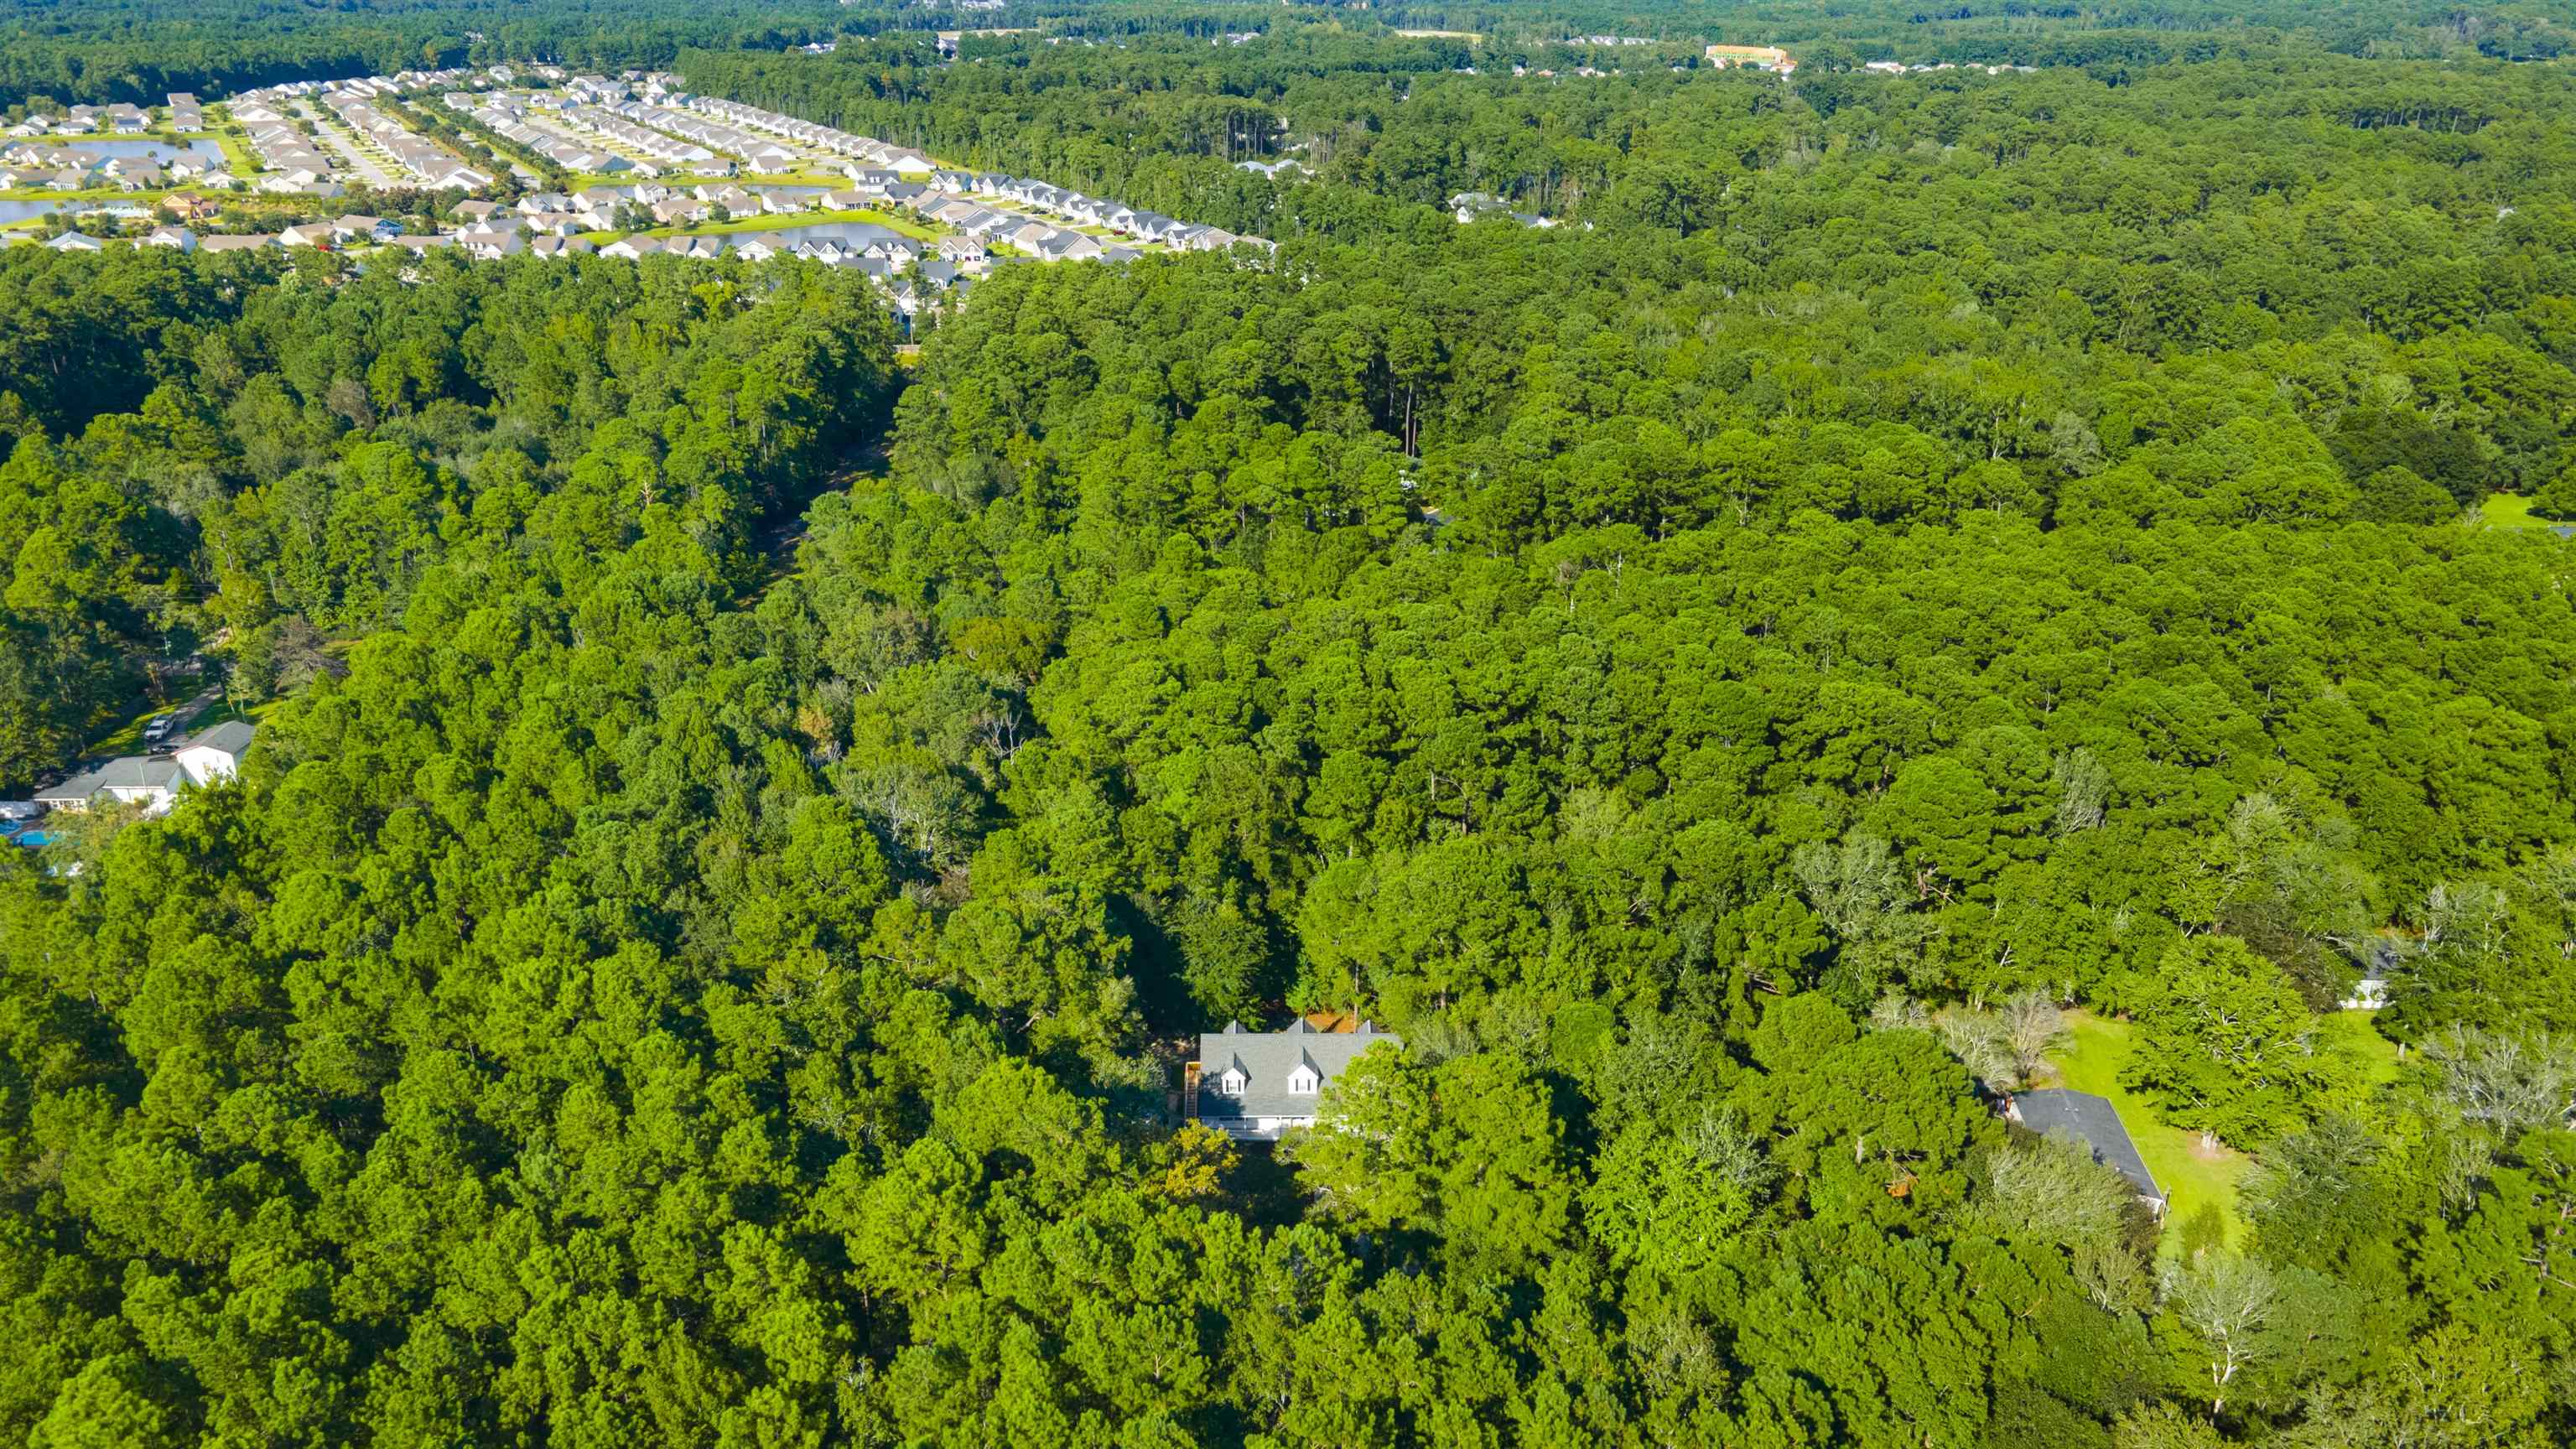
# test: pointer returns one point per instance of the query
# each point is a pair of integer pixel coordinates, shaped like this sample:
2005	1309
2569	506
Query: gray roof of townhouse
1267	1057
2094	1122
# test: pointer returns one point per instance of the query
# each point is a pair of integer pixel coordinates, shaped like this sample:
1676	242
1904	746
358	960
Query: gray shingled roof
133	772
1267	1057
232	737
2094	1122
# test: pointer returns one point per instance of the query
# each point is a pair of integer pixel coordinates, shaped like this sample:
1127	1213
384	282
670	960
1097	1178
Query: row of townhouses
1150	227
25	165
426	162
512	122
122	119
813	135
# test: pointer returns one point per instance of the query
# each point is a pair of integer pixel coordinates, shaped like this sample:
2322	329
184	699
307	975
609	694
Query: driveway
339	145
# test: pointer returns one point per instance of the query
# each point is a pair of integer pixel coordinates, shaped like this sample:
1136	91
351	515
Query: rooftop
2092	1121
1267	1057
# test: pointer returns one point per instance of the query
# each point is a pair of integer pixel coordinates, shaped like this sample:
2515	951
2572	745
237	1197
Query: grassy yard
237	155
97	195
2351	1035
2508	510
2512	510
127	739
832	179
912	229
2192	1178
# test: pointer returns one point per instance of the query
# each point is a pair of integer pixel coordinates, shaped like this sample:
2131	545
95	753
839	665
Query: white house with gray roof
1254	1085
154	781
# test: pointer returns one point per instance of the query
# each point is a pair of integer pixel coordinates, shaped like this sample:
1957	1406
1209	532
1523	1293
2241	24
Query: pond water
122	148
128	148
847	233
20	210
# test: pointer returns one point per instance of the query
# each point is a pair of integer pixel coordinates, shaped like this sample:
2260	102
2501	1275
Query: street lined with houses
669	176
346	158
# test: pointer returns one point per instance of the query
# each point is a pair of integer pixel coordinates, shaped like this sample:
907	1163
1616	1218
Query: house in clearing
1254	1085
154	781
2093	1122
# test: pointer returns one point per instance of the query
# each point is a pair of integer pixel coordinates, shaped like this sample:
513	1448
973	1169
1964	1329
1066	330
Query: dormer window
1304	1081
1231	1083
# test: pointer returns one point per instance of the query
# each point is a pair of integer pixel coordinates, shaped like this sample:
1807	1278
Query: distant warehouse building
1759	57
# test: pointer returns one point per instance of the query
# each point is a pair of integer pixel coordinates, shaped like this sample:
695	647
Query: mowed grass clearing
2194	1177
784	221
2512	510
2508	510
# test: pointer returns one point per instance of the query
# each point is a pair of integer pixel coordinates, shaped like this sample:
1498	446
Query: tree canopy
743	824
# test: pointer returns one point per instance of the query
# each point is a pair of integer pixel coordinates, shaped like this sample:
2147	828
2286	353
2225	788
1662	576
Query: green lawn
237	154
127	738
832	179
2192	1179
2350	1035
2508	510
912	229
103	195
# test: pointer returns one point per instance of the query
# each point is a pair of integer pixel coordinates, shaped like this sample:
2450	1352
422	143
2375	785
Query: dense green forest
138	50
741	828
98	51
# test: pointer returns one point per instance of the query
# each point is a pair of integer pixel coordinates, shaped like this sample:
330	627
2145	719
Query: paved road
339	145
205	699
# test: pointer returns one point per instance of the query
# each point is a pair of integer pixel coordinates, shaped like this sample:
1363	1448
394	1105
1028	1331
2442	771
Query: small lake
12	210
128	150
847	233
627	189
